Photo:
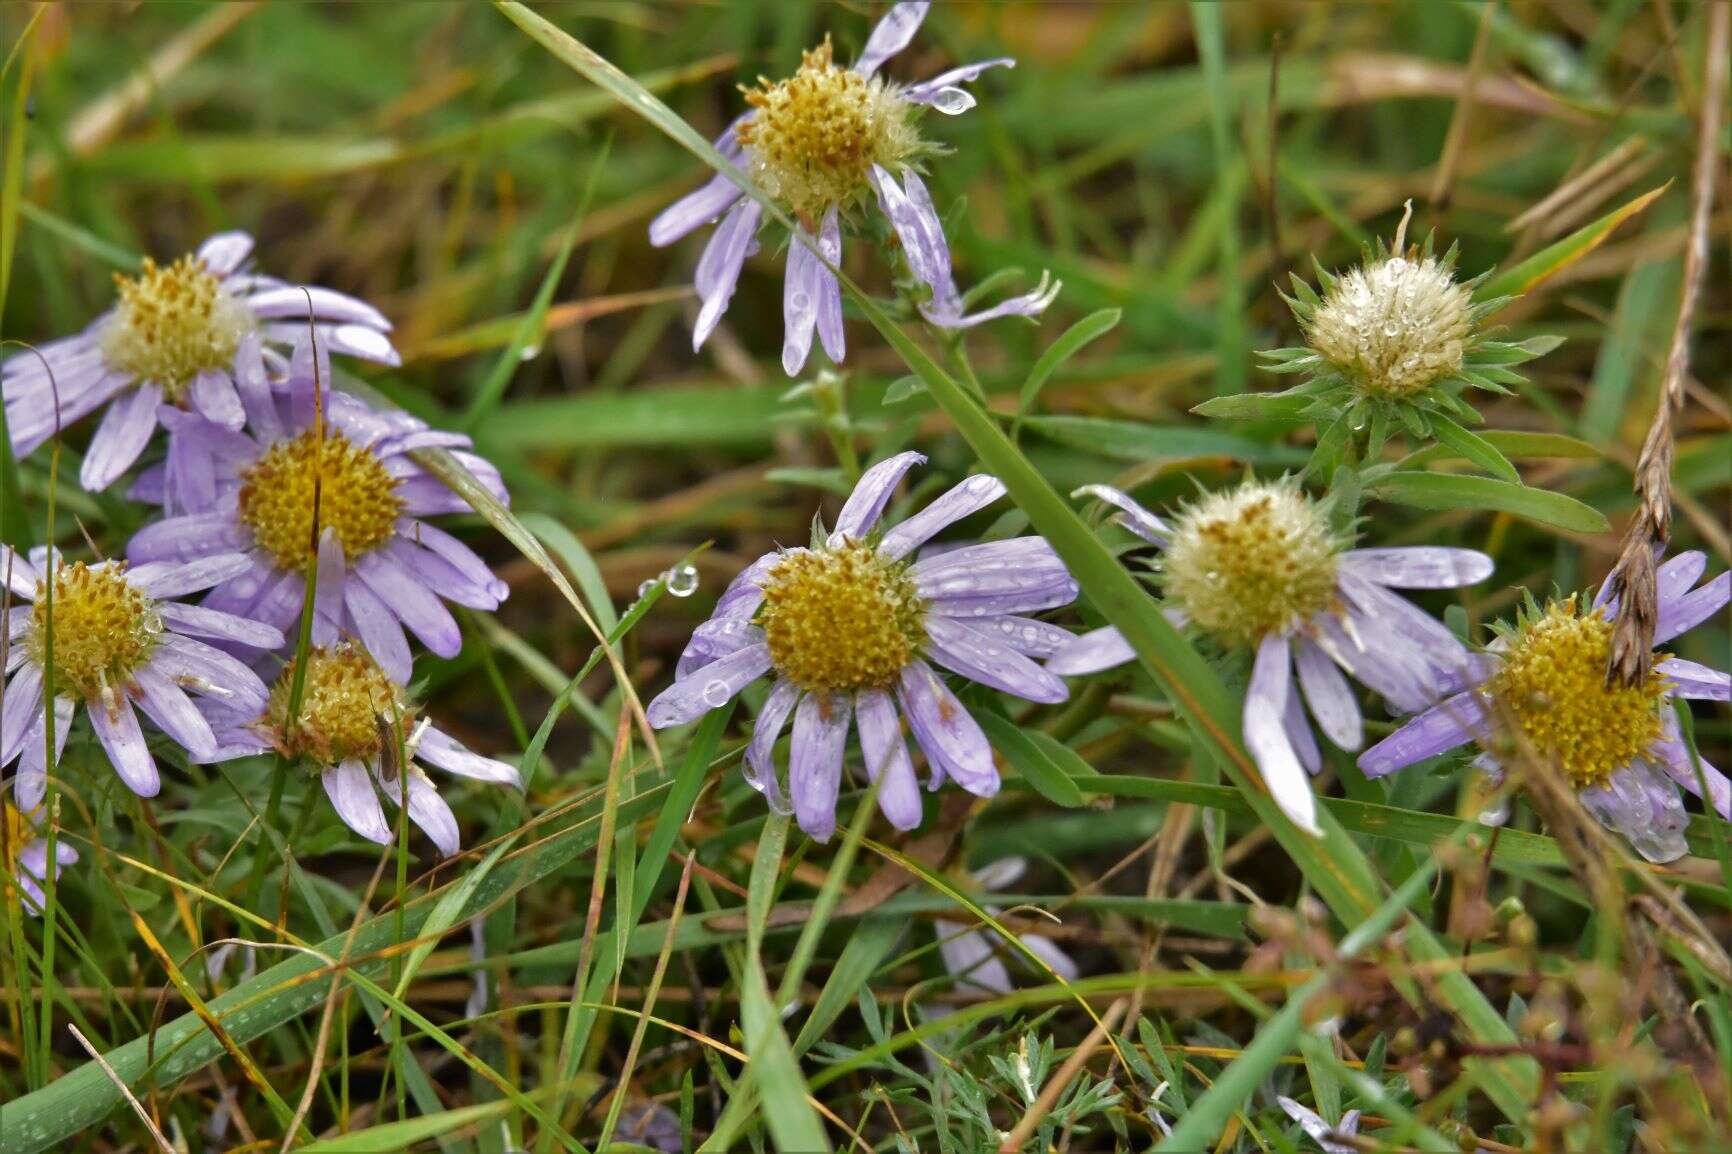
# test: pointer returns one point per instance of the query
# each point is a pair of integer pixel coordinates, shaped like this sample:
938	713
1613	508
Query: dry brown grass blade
1633	578
162	1142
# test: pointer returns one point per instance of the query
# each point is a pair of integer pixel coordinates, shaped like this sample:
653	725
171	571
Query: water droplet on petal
716	693
952	101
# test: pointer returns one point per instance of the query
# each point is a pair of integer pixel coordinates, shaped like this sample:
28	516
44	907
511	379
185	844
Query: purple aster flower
819	142
1545	681
382	567
971	954
353	723
175	336
120	643
1258	568
848	628
26	856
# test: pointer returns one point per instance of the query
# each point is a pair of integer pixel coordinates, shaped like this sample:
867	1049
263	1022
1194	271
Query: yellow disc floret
357	497
1553	685
104	629
817	134
1250	561
172	323
348	705
841	619
1395	326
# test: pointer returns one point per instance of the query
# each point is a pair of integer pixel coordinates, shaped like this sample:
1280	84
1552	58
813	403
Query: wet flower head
1248	562
840	619
817	134
172	323
344	699
1394	326
1553	684
104	628
358	497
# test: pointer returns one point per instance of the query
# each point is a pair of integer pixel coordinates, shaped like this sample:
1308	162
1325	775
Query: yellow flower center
818	133
104	629
172	323
1394	327
1251	561
357	497
1553	684
348	707
841	619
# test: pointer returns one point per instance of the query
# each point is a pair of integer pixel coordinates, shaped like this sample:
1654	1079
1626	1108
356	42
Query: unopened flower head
24	866
1540	692
354	726
314	456
851	628
821	142
1253	560
115	639
1395	326
1258	567
179	333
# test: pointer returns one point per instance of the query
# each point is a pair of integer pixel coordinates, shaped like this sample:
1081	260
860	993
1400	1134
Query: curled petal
965	498
866	503
760	771
719	268
951	739
891	35
1643	805
1267	739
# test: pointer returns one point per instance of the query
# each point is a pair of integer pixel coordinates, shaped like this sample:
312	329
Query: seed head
840	619
105	629
1553	684
817	134
1250	561
357	497
172	323
347	705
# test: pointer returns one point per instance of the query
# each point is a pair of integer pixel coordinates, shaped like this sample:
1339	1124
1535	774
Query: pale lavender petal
1021	575
1672	756
865	505
815	761
280	603
1330	697
1643	805
1026	635
715	639
379	630
116	727
332	576
1671	580
1056	959
712	686
225	252
1419	566
760	767
150	485
951	739
1445	725
442	577
360	341
799	304
164	579
254	389
350	788
1299	734
830	330
17	573
1131	515
1266	734
1094	651
1320	1131
219	626
947	313
968	954
427	810
891	35
1368	650
439	748
412	602
187	538
33	422
967	497
719	268
124	432
1693	608
886	757
213	395
461	557
693	210
921	234
960	649
31	783
174	713
1690	679
927	91
23	704
295	301
208	671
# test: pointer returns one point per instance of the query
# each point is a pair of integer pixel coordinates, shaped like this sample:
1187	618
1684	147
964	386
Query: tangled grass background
1132	920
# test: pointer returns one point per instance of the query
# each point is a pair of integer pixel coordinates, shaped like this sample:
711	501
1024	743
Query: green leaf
1454	491
1554	258
1072	341
1473	447
444	915
1030	760
1255	407
391	1137
1129	441
1517	444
